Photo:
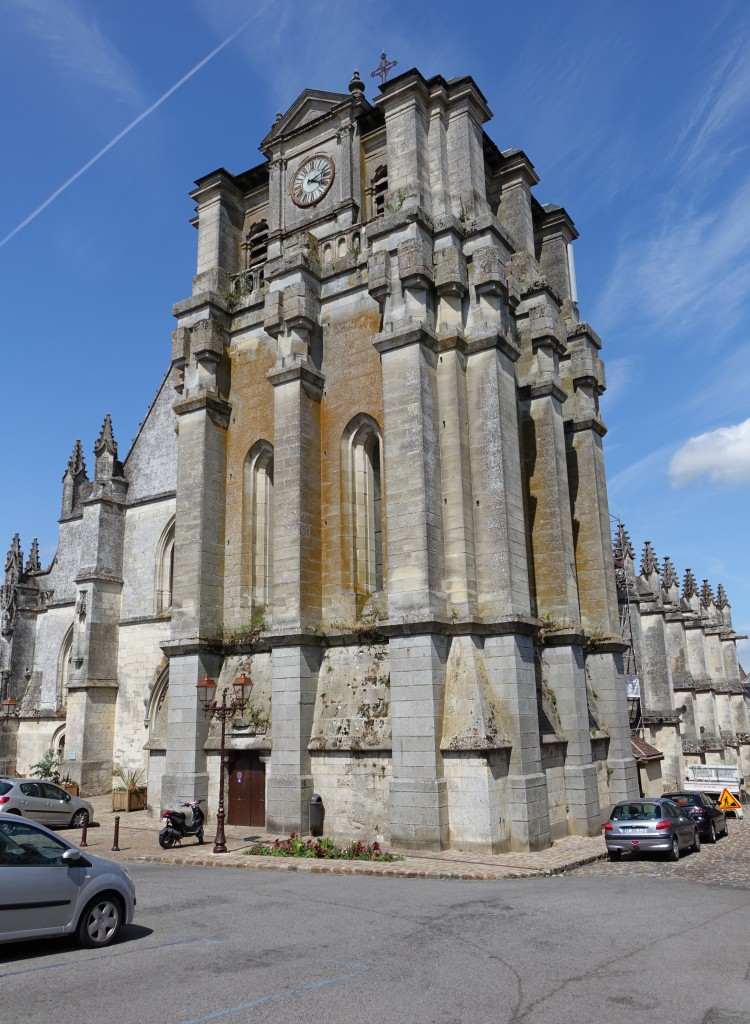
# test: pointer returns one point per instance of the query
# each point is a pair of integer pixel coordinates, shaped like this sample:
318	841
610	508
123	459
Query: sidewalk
138	841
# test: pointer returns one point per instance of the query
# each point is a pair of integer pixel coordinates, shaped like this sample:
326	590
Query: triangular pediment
310	105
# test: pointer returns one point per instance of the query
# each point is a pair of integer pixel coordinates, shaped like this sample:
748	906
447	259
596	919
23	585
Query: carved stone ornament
7	607
81	604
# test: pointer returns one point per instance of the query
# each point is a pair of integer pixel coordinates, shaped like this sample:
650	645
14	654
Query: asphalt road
244	946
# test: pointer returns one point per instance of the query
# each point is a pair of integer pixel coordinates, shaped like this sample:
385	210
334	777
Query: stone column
413	477
583	379
517	178
418	791
297	590
553	552
297	580
499	520
198	592
510	663
605	673
458	522
219	221
93	683
404	101
295	671
415	578
467	111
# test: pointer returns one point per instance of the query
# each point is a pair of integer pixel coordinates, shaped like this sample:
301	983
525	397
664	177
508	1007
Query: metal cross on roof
383	68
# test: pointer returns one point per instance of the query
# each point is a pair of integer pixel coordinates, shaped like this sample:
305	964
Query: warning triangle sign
727	802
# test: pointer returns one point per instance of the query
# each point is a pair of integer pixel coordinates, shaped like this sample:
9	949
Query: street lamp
224	711
9	710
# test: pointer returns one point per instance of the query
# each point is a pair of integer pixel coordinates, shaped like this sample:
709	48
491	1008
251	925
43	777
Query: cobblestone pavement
725	863
138	842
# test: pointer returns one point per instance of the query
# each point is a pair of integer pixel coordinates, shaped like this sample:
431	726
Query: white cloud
79	47
695	262
722	456
723	106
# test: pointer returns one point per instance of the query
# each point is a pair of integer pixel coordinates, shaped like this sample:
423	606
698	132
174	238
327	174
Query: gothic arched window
257	540
63	668
363	517
165	569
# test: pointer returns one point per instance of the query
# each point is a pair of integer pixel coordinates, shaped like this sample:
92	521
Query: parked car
43	802
51	888
710	819
647	826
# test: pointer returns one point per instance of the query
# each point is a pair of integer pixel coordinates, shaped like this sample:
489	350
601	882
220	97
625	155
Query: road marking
359	971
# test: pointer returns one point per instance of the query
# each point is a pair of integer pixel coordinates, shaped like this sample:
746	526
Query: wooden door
247	789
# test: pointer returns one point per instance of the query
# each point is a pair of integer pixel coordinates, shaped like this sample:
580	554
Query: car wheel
674	853
712	833
696	847
726	828
614	854
100	922
79	819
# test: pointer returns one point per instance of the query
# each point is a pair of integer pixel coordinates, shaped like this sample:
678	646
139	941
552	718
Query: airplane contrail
133	124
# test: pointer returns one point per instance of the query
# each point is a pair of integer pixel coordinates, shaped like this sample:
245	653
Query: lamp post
9	710
224	711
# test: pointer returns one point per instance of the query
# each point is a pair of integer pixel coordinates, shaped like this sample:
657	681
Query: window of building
165	570
63	669
379	186
256	245
363	513
257	547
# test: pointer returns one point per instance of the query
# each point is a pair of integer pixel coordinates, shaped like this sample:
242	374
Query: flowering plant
296	846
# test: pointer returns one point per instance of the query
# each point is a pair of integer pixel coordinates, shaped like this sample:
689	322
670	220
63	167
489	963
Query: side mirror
71	856
67	798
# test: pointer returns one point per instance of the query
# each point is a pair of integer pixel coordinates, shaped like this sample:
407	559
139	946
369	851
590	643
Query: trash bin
317	814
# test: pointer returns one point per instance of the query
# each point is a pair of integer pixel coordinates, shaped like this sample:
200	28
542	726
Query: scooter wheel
167	839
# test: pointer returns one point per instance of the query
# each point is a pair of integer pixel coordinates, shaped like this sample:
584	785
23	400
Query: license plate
636	828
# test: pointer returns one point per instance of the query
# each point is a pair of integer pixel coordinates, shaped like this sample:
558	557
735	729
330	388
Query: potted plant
69	786
128	794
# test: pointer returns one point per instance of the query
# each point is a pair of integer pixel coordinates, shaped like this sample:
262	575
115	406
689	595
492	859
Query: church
372	479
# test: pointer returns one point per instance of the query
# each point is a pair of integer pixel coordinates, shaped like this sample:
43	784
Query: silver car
649	826
43	802
48	887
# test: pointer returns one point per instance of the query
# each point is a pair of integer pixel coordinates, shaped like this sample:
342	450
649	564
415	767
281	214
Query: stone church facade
692	707
373	478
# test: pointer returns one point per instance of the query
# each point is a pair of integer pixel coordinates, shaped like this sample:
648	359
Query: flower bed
296	846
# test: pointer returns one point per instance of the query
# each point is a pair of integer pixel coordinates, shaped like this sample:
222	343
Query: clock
312	180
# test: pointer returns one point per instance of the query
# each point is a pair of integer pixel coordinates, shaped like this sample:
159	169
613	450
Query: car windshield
685	800
22	844
636	812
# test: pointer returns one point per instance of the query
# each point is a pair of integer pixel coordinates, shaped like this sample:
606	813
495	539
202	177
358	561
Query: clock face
312	180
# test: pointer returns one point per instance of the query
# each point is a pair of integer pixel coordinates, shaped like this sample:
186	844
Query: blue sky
635	114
